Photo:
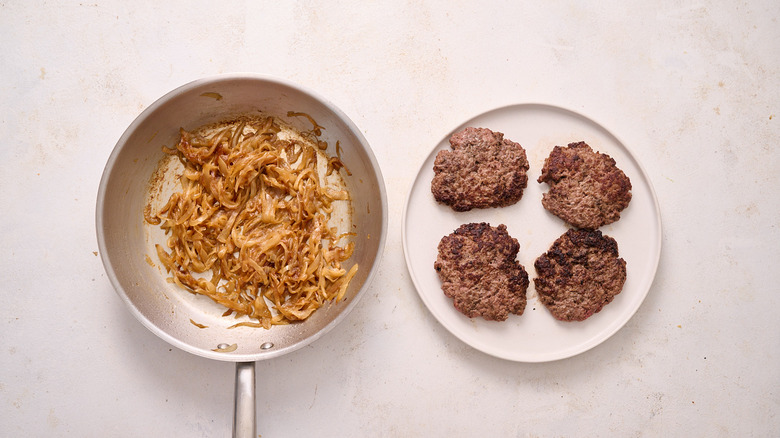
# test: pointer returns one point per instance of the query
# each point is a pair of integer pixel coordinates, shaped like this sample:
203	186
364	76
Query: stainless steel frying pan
126	242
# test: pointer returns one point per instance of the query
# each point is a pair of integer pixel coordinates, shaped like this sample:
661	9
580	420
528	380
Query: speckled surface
691	87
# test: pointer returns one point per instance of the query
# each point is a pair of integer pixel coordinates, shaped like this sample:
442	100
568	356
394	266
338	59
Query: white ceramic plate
534	336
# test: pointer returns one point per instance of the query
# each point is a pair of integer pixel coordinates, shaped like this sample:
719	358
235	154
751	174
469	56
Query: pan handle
244	408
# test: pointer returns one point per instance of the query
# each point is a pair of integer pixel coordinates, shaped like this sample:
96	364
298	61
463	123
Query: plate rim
656	256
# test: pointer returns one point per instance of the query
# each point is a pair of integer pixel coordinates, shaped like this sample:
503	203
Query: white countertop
692	88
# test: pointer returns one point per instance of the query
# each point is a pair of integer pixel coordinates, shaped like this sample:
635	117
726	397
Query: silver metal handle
244	408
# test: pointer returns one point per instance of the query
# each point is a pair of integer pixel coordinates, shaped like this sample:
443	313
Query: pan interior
127	242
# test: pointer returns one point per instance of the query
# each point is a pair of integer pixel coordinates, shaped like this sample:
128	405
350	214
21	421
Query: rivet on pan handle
244	412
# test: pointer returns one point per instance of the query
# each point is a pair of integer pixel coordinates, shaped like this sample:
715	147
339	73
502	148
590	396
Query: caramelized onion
249	227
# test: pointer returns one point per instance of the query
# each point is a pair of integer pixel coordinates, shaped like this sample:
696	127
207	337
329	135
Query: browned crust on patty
579	275
587	189
478	269
482	170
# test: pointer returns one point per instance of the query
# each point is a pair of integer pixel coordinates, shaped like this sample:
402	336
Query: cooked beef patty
482	170
478	269
587	189
579	275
